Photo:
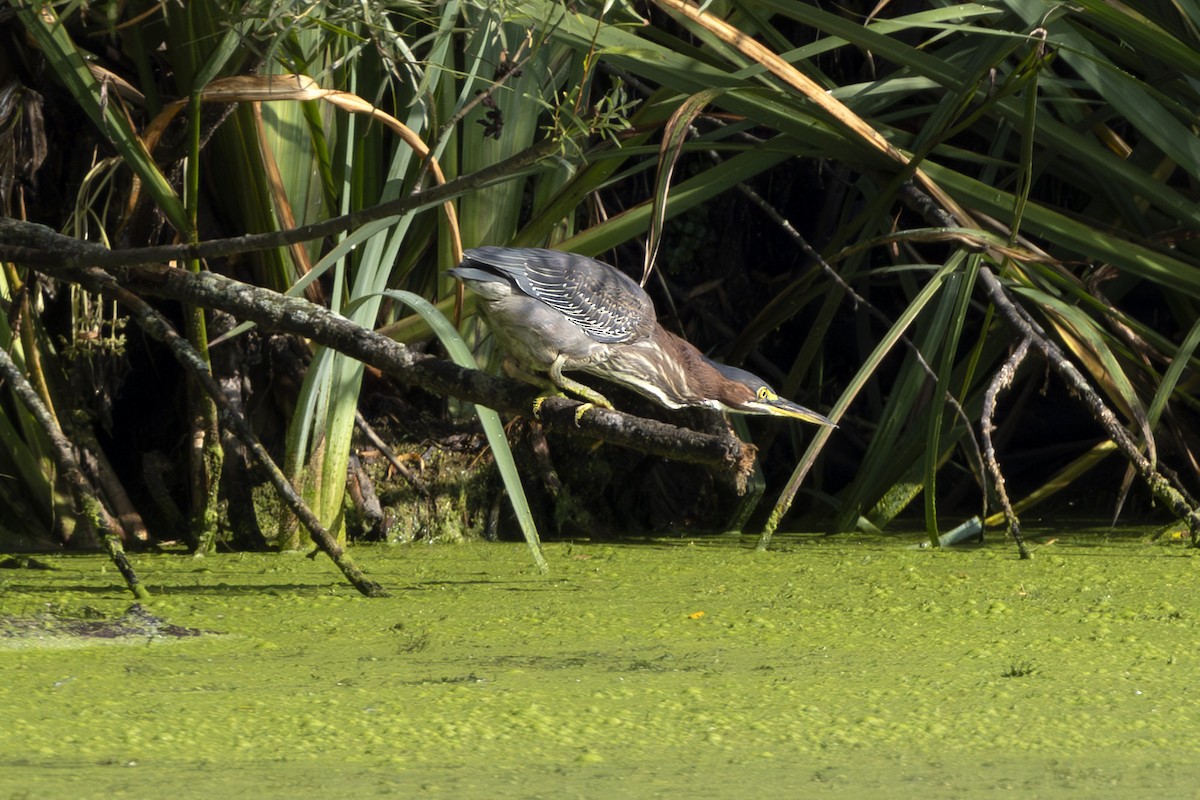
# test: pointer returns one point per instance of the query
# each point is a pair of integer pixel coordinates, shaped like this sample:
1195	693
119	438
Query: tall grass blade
493	428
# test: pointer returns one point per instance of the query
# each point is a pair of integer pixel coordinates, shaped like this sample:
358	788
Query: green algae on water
830	667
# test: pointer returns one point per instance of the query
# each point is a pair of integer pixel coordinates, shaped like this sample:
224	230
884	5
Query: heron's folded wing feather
600	299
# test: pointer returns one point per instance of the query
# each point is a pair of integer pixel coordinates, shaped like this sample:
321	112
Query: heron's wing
605	302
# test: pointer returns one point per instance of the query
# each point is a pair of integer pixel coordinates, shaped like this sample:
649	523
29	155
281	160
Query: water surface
825	668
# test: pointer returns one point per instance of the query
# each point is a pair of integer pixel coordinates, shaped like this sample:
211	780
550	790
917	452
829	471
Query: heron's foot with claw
590	395
579	412
583	409
549	388
592	399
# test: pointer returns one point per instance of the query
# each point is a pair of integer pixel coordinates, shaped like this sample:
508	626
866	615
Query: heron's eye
765	394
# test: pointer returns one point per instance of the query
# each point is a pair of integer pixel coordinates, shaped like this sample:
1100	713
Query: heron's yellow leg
514	370
557	383
589	394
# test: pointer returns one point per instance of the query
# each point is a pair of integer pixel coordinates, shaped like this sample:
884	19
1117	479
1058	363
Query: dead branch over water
71	260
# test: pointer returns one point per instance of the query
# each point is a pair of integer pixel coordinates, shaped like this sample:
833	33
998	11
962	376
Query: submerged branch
1024	324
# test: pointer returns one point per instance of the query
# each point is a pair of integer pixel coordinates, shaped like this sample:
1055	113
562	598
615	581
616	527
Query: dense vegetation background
855	192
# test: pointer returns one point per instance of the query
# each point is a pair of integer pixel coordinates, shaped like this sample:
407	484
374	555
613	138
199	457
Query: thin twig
397	464
1023	322
1001	381
504	71
60	449
860	301
156	326
20	240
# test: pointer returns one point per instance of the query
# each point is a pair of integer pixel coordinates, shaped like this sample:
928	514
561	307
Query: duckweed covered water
826	668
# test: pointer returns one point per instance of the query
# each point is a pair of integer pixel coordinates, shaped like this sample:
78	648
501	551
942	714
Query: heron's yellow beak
776	406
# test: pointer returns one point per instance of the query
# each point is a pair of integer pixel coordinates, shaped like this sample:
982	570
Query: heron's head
741	392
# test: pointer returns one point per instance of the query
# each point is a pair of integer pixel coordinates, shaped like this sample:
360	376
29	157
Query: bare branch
277	312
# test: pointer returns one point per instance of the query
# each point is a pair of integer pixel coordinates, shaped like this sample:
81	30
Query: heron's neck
695	373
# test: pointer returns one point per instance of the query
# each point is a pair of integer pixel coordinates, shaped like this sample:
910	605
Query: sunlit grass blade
956	299
68	64
674	135
1061	480
865	373
493	428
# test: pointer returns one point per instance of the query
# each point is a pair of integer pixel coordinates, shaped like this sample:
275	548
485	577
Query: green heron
556	311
